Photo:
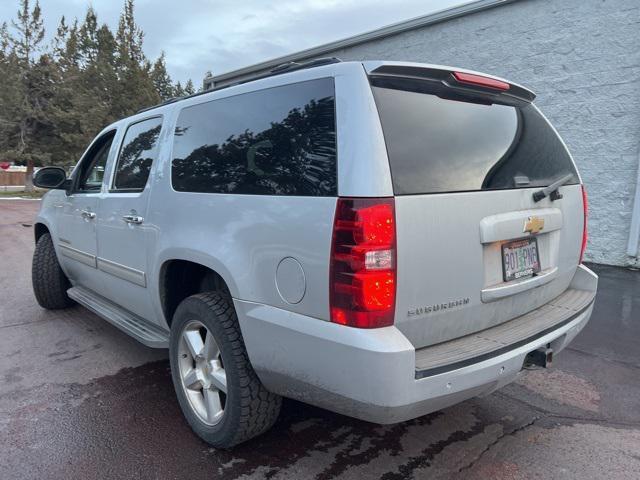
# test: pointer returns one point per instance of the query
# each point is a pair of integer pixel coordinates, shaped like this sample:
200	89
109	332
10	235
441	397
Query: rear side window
438	145
278	141
139	150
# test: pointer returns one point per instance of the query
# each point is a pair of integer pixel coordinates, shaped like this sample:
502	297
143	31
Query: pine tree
10	104
72	49
88	37
189	89
55	98
161	79
4	41
32	94
30	32
59	42
178	90
134	70
129	37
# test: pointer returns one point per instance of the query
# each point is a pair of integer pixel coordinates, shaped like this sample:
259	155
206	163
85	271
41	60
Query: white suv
381	239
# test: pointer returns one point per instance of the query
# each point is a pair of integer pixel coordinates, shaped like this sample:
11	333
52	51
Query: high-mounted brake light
362	281
585	233
481	81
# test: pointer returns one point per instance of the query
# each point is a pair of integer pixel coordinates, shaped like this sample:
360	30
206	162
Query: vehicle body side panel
123	248
363	168
244	237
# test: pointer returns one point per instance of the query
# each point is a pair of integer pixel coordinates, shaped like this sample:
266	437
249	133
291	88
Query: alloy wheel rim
202	373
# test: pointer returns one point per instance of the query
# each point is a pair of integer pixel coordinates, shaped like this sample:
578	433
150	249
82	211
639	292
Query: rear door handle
134	219
88	214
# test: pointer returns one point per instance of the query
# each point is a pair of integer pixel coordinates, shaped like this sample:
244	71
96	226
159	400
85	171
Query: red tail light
472	79
363	256
585	233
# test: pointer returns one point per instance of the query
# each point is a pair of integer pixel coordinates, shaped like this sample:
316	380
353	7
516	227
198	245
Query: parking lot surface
79	399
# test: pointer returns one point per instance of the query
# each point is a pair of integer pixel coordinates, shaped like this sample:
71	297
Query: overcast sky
222	35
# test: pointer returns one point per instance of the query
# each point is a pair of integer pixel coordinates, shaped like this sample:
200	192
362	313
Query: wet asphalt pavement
79	399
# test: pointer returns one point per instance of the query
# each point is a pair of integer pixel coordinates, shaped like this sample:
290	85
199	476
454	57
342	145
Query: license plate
520	259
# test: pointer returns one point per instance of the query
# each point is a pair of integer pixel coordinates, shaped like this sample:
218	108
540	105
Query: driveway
79	399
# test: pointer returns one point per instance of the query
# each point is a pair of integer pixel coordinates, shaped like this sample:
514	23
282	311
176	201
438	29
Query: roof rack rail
284	68
161	104
172	100
292	66
288	67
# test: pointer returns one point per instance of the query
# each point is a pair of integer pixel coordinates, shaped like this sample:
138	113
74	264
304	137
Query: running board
139	328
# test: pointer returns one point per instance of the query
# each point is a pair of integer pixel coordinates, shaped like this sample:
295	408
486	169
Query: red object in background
5	165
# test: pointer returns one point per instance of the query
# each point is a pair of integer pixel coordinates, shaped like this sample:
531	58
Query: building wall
582	58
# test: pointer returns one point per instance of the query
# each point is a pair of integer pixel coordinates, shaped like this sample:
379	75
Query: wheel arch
39	229
179	278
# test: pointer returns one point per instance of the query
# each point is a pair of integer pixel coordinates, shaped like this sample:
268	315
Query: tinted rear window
278	141
139	150
440	145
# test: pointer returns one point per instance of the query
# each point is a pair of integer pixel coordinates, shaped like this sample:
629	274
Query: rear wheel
219	393
50	284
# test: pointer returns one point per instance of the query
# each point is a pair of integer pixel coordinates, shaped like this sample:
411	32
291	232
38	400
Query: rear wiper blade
552	189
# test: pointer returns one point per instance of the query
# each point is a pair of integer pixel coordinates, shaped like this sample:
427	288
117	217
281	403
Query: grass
23	194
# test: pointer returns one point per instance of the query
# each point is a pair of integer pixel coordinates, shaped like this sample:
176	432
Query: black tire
250	409
50	284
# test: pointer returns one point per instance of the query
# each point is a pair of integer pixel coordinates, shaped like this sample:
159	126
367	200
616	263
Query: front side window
92	167
139	150
278	141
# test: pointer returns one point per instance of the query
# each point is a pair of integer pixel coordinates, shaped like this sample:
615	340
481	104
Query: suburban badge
437	307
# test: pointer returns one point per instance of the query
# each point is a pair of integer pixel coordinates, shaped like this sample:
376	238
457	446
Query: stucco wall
582	58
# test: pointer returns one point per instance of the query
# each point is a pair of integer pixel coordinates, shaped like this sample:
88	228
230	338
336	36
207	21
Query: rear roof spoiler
457	80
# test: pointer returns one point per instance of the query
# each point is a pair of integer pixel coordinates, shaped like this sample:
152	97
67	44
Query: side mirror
51	177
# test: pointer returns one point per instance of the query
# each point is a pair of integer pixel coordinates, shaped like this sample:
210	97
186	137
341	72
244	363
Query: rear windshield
438	145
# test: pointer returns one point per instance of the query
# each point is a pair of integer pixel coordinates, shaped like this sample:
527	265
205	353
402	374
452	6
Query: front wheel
219	393
50	284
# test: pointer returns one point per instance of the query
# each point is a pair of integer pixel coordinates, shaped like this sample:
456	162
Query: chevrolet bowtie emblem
534	225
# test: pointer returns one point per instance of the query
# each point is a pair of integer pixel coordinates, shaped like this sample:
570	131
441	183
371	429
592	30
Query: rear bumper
372	374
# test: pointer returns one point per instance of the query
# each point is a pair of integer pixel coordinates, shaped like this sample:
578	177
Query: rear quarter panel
244	237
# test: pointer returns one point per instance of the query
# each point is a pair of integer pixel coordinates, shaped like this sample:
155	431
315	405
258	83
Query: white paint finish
363	166
243	238
492	294
124	250
290	280
79	257
441	260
